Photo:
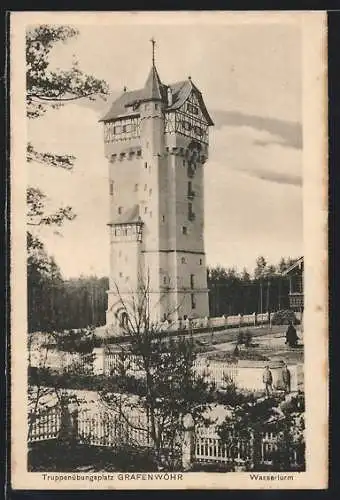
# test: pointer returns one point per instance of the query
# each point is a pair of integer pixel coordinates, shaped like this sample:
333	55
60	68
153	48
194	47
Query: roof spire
153	87
153	41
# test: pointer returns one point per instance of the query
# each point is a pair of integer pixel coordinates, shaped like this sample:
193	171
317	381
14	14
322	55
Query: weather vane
153	41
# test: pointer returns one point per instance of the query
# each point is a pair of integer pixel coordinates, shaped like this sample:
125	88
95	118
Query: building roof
154	89
296	264
130	216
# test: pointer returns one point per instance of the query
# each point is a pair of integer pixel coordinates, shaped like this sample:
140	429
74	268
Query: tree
42	394
51	89
290	428
260	269
243	424
245	276
165	364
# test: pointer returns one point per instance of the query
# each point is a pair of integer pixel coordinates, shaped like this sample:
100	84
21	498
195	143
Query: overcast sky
250	78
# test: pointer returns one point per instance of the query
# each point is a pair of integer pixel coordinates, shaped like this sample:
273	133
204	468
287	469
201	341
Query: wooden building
296	293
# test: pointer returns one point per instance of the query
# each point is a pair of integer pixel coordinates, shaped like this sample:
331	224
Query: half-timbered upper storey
182	103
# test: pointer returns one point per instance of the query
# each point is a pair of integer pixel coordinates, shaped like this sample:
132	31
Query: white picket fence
110	430
216	322
44	425
208	448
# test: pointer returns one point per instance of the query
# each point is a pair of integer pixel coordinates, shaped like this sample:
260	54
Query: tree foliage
285	419
55	304
166	365
53	88
48	88
263	289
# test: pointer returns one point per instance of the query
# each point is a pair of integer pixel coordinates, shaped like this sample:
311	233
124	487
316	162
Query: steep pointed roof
153	86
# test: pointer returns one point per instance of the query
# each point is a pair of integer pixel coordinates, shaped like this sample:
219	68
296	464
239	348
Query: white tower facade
156	142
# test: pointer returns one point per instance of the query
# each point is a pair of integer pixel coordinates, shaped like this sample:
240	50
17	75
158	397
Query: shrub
283	317
244	337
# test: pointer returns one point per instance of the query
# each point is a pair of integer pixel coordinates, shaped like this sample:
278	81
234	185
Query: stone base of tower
162	306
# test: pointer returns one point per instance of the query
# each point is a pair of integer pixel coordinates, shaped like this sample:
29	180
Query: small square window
120	210
184	230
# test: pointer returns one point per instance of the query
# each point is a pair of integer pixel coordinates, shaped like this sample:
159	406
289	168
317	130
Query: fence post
69	419
188	441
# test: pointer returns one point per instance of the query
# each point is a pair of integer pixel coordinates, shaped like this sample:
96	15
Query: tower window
201	262
145	187
183	260
111	188
192	280
184	230
164	280
150	192
189	211
146	164
192	109
136	187
156	106
120	210
163	218
119	253
150	213
183	163
120	274
145	210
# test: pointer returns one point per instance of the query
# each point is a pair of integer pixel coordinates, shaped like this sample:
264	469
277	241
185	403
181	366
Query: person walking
286	378
268	381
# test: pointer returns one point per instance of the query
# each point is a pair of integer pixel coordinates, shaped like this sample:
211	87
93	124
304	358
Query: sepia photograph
161	202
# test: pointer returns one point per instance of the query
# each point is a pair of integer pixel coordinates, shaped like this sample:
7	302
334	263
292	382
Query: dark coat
291	335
